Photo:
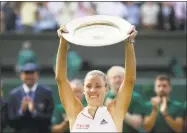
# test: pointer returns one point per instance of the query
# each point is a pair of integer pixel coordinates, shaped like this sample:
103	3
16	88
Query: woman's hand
62	30
132	33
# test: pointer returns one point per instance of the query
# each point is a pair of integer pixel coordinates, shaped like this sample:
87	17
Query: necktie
30	94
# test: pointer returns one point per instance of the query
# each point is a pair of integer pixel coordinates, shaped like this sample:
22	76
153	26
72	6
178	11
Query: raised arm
70	103
120	105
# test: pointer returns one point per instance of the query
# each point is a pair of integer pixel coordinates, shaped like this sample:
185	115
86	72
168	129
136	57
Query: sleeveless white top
102	121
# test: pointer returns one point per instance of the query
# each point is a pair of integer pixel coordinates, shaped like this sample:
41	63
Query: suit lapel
37	93
39	102
22	94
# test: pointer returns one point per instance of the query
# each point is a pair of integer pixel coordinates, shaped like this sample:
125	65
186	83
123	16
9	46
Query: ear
106	89
22	76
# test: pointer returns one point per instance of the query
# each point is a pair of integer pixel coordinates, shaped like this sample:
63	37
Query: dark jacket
37	122
4	114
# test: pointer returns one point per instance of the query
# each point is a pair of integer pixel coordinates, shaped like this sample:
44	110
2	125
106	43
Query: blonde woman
96	117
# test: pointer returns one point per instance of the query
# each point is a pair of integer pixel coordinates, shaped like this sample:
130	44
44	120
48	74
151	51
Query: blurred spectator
30	105
149	12
166	16
105	8
46	21
176	68
74	64
83	9
66	14
180	14
4	110
57	11
9	16
133	13
2	4
134	118
28	16
2	24
26	55
163	114
60	120
42	16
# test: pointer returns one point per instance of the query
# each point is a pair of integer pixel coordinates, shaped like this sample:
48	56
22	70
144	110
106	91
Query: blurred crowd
31	108
48	16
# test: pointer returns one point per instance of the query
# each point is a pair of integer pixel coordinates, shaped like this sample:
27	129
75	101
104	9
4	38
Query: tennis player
96	117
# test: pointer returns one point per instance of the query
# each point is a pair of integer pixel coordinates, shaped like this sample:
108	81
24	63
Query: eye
98	86
88	86
164	85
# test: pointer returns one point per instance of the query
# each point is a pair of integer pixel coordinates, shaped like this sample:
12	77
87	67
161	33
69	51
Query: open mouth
94	96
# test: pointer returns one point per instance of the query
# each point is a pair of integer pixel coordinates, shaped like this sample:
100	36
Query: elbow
130	77
146	126
60	76
131	80
58	79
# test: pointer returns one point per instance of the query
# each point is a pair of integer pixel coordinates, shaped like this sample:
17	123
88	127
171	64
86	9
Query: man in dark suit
3	111
30	105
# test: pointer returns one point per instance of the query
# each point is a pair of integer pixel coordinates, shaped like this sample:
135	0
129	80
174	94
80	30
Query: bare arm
60	127
123	98
134	120
175	124
66	94
119	106
149	121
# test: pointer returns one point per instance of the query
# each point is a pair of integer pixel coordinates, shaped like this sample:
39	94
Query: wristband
131	41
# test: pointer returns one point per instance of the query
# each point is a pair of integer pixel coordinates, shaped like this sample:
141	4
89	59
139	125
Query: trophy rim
102	20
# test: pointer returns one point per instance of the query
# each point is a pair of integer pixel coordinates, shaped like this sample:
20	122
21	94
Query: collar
27	89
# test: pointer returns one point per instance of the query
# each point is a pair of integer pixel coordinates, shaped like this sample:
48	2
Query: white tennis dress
102	121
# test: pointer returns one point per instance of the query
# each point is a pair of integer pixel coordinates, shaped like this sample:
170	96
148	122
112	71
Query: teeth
93	96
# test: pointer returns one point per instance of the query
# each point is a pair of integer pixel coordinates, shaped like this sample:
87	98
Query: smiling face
95	88
29	77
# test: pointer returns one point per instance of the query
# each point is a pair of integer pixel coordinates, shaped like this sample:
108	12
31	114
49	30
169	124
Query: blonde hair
99	73
115	69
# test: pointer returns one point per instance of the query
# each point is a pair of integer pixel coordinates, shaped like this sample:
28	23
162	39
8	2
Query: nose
161	88
92	89
117	79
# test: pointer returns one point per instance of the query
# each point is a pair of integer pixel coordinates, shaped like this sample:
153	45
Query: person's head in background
77	87
163	85
115	77
29	74
26	45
